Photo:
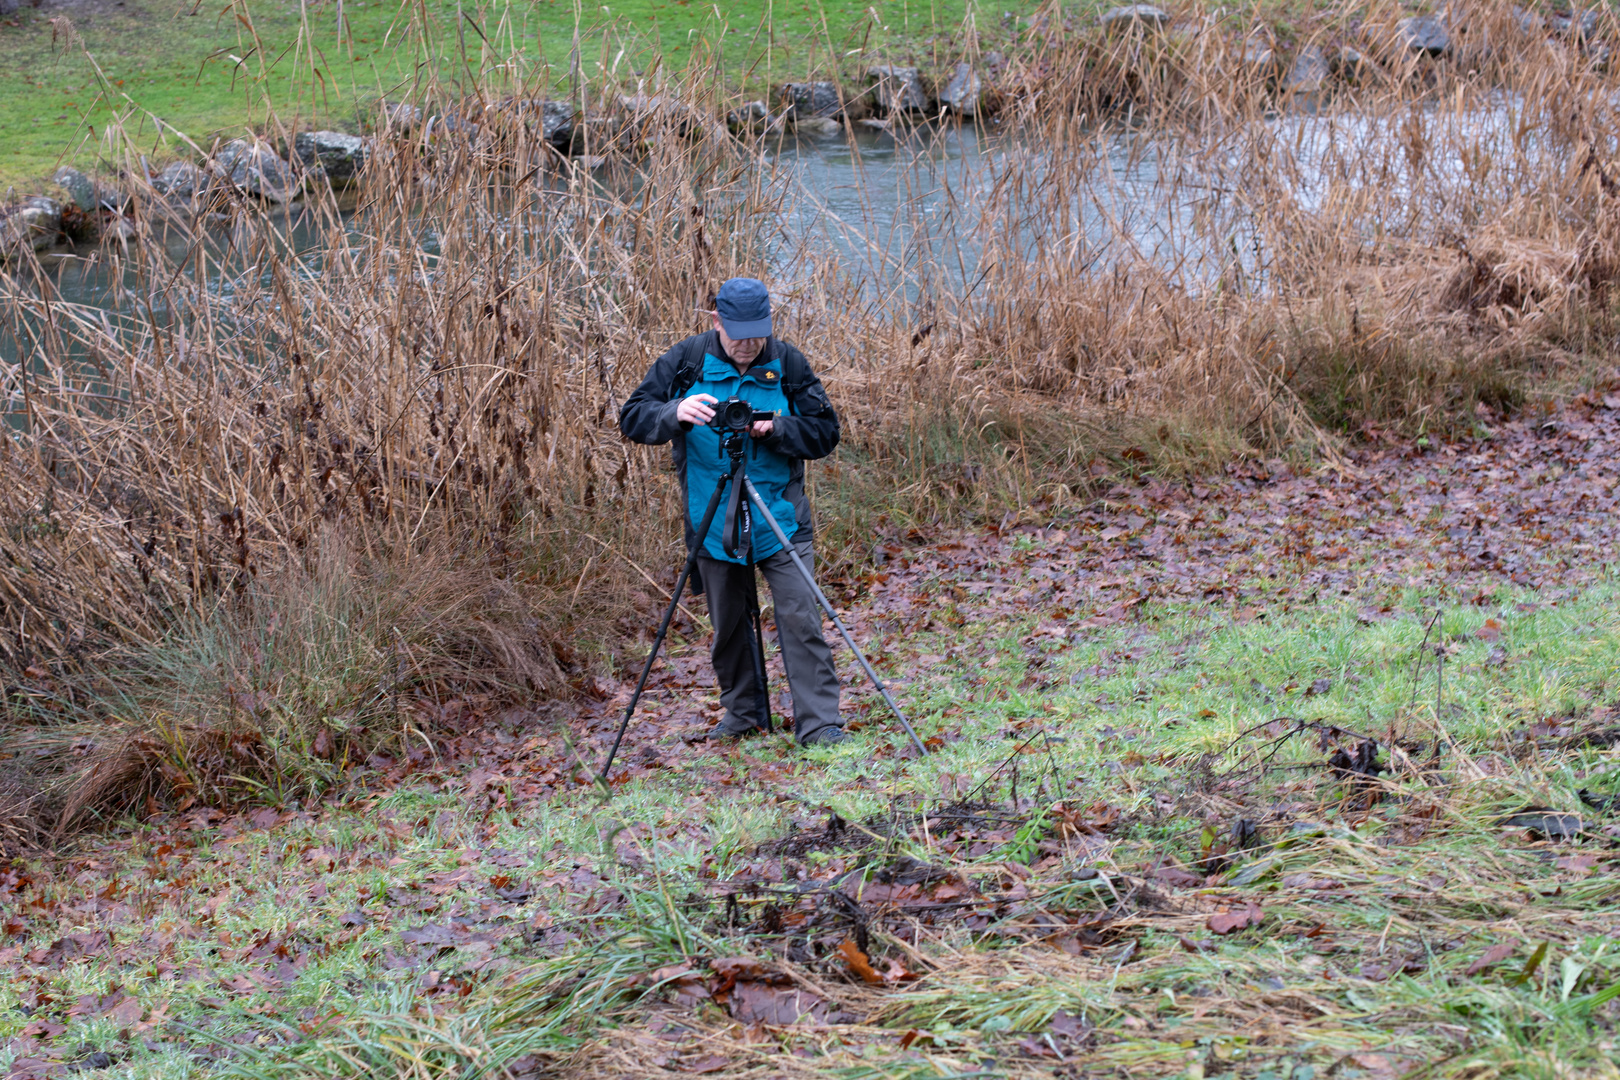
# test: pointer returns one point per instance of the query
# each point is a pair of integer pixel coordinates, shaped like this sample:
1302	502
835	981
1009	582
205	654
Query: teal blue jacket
805	427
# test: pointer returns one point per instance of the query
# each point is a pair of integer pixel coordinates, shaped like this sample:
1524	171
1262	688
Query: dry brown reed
1165	255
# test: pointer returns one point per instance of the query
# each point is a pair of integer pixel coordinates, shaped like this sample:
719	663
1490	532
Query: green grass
1424	875
206	69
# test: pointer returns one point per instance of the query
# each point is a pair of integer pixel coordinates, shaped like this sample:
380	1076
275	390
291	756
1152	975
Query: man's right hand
695	409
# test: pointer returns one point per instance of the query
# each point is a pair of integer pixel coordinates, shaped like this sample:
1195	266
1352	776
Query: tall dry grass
1163	257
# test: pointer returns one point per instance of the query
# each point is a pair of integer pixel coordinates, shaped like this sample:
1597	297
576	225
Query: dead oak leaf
859	963
1493	955
1579	864
708	1063
1231	921
756	1002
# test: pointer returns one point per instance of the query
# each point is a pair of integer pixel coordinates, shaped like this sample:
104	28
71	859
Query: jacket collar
717	366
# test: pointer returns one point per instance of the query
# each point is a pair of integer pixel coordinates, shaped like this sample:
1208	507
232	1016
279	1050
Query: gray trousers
811	675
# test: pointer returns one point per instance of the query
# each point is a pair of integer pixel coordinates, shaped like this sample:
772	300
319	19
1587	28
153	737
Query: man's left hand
761	429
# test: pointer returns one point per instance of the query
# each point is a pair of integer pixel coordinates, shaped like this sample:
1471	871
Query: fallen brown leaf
1230	922
1493	955
859	963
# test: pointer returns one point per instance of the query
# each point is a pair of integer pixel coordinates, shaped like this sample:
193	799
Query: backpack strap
691	366
795	372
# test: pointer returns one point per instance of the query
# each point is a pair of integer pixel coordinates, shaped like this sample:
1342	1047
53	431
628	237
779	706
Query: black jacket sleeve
648	416
813	433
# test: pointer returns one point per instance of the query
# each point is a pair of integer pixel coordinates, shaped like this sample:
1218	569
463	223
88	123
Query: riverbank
152	68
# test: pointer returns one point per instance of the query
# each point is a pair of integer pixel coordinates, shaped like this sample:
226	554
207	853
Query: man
674	403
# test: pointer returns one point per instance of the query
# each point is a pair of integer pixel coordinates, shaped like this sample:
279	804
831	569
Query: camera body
736	416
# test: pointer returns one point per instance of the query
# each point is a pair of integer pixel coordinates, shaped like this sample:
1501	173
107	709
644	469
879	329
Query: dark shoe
831	735
730	730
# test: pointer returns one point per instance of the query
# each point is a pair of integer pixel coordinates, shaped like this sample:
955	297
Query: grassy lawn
1129	851
206	69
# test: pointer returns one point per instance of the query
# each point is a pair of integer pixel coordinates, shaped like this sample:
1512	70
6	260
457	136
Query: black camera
736	415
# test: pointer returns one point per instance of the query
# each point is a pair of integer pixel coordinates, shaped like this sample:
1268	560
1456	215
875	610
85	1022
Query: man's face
742	350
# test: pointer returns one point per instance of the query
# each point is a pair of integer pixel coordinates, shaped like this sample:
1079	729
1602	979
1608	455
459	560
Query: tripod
737	537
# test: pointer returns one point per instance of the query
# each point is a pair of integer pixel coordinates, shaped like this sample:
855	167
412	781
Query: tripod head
733	444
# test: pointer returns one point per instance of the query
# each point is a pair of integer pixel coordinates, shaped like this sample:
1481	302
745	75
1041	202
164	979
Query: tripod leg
663	627
641	684
762	691
821	598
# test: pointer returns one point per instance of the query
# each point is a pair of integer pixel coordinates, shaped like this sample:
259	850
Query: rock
683	119
1530	23
898	89
556	119
802	101
87	194
553	121
119	231
818	125
962	92
1423	34
750	117
333	154
1350	65
9	8
1259	58
1308	71
180	180
1582	26
80	188
254	168
400	116
448	126
1132	15
34	223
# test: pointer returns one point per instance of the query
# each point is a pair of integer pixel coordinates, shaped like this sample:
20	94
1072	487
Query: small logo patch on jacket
768	376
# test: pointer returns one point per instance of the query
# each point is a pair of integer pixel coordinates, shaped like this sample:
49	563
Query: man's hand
695	409
761	428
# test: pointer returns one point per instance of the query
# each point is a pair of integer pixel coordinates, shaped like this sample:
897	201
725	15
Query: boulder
1350	65
89	195
801	101
333	154
1583	25
400	116
448	127
1259	58
751	116
555	120
34	223
80	188
818	125
181	180
119	231
1133	15
962	92
1308	71
1423	34
897	89
254	168
1530	23
646	111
